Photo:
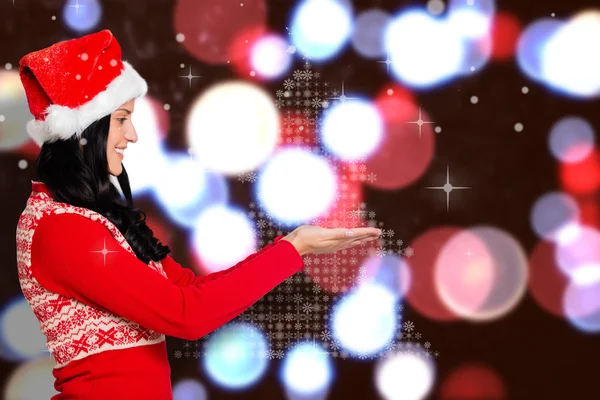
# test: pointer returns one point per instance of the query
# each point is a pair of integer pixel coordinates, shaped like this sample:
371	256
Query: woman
102	286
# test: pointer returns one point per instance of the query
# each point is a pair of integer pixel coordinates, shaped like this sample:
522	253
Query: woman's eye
122	119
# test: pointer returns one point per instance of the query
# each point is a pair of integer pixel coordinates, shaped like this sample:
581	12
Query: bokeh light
321	28
269	56
405	376
14	113
352	130
583	249
20	335
364	320
144	158
582	303
407	146
473	381
32	380
222	237
235	356
481	273
569	64
531	44
368	33
233	127
547	283
82	16
571	139
183	188
306	370
423	51
209	30
286	178
553	216
189	389
389	271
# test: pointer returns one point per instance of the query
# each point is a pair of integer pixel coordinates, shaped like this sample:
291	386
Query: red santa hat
73	83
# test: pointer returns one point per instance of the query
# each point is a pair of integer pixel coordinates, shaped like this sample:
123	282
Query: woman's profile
102	286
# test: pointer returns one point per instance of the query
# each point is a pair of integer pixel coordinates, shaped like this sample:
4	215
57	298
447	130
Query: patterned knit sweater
93	296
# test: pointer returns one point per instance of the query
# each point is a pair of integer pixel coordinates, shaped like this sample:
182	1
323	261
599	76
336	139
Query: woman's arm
67	258
181	276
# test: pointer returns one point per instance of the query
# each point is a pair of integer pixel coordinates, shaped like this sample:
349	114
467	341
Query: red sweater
105	313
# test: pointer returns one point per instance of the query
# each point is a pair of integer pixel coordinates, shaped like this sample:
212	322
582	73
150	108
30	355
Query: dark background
537	355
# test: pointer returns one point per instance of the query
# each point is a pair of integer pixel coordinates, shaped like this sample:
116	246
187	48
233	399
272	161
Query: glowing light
352	130
367	36
287	178
406	376
233	127
307	370
222	237
423	50
269	56
364	321
571	139
321	28
236	356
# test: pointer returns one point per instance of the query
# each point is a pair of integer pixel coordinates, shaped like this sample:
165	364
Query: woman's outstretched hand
314	239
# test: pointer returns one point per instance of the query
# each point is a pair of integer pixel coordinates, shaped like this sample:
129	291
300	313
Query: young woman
103	287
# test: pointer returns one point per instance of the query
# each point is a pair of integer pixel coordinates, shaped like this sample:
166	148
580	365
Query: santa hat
73	83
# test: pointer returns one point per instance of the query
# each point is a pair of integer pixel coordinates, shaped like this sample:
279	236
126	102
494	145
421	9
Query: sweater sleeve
181	276
68	258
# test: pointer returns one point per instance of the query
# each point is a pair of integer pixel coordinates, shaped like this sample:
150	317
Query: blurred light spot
321	28
531	45
236	356
32	380
233	127
143	159
525	89
506	30
15	111
569	61
582	305
422	294
468	22
269	56
473	382
365	320
571	139
352	130
189	389
217	29
407	146
481	273
82	15
21	338
552	213
582	177
405	376
474	99
367	37
183	189
423	50
223	236
582	250
306	370
22	164
295	186
389	271
547	283
519	127
436	7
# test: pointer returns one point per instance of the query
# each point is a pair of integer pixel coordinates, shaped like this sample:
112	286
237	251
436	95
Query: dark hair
75	171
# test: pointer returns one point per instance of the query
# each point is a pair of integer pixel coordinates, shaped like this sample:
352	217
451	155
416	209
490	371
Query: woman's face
120	134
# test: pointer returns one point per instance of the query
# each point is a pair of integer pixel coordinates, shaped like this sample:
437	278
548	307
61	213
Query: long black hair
75	172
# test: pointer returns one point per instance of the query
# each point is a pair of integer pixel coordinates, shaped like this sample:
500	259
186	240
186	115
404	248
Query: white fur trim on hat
63	122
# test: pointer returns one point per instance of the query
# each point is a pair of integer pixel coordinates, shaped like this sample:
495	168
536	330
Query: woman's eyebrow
124	109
